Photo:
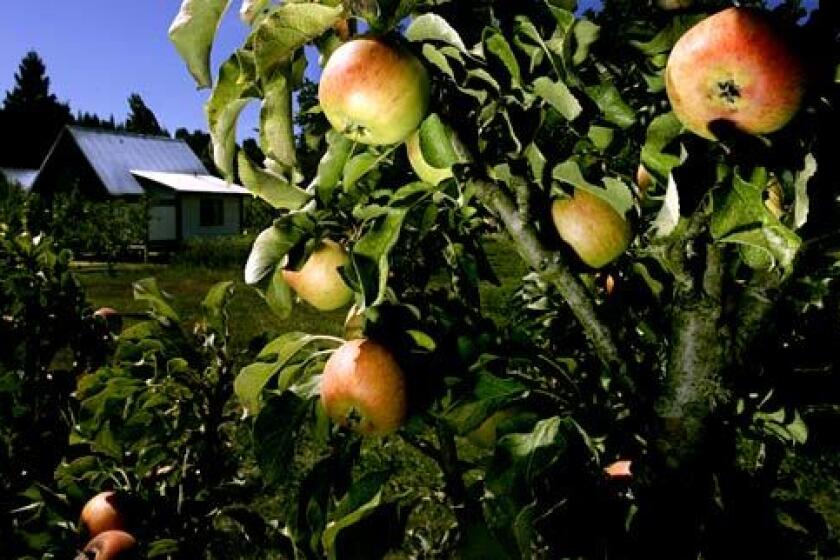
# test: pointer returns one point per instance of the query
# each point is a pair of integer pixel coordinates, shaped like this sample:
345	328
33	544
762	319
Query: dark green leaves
275	434
214	307
147	290
742	217
370	254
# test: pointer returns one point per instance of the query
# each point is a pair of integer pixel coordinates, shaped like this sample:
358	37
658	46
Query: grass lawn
250	316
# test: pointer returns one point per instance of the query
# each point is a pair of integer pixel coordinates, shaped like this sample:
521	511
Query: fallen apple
102	513
110	545
364	389
319	282
373	91
734	68
592	227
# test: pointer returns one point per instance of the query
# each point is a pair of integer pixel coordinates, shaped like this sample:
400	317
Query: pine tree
141	119
31	117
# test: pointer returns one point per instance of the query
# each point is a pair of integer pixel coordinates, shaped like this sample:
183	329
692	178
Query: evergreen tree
199	142
141	119
31	117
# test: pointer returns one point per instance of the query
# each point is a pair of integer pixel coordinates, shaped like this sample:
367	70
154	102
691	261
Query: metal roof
23	177
191	183
114	154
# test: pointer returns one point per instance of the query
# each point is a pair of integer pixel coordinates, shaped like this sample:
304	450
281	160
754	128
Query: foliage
141	119
48	336
670	370
34	115
217	252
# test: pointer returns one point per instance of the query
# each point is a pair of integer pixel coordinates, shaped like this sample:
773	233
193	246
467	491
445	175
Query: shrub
224	251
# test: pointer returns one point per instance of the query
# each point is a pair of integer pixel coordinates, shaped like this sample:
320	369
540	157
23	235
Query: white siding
191	222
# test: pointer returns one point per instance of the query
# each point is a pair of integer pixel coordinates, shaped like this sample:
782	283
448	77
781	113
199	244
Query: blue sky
98	52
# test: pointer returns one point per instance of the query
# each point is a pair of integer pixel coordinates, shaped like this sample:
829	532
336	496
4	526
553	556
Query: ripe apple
734	67
364	389
593	228
110	545
112	318
619	469
374	92
669	5
102	513
318	282
424	170
644	180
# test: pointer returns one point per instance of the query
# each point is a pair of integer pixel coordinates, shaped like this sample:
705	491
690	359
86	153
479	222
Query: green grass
250	317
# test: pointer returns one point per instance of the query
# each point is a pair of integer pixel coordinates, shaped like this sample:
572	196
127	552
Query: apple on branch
374	92
102	513
734	68
319	283
364	389
110	545
592	227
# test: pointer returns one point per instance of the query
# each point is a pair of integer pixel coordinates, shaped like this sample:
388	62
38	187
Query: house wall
191	216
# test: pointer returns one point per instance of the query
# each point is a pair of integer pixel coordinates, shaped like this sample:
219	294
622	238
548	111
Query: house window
211	212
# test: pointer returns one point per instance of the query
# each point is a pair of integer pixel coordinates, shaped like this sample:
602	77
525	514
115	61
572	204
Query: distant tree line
31	117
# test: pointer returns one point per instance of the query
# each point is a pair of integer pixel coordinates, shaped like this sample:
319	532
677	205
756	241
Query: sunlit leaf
192	32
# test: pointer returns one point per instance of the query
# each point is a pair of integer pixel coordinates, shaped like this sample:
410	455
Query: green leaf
275	434
251	381
277	137
251	9
270	187
616	193
496	44
661	132
288	28
438	143
558	95
163	548
546	434
741	217
667	38
192	32
364	497
802	203
601	136
357	167
331	166
147	290
214	307
370	254
586	34
278	294
490	394
273	244
613	107
232	93
432	27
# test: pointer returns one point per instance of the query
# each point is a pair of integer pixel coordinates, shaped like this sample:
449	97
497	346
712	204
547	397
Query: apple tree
664	170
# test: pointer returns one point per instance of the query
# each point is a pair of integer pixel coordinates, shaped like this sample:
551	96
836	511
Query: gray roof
114	154
23	177
191	182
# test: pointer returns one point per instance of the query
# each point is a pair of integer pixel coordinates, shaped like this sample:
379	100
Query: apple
364	389
644	180
619	469
373	91
669	5
734	67
423	169
112	318
110	545
319	283
102	513
592	227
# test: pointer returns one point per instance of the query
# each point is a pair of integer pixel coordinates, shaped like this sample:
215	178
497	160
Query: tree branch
550	266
